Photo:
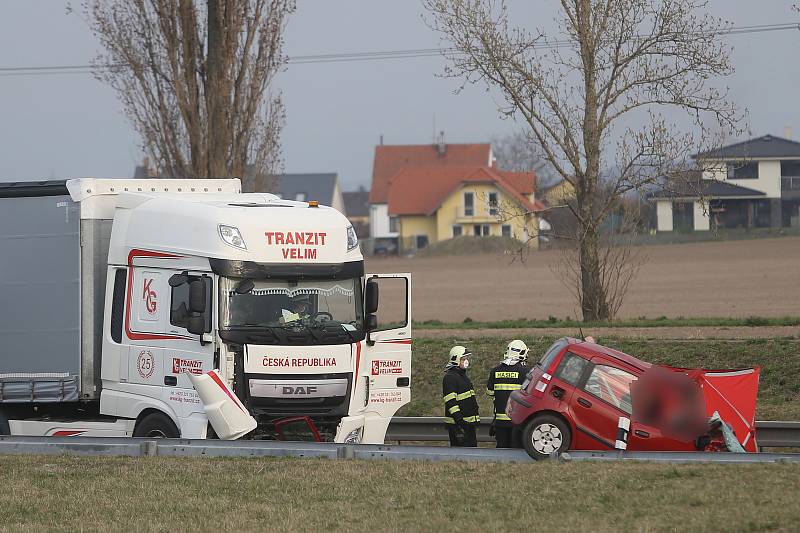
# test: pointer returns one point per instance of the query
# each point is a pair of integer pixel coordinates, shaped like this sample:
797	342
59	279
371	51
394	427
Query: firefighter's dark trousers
508	437
462	435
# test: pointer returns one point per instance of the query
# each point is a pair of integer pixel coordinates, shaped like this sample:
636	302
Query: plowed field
732	279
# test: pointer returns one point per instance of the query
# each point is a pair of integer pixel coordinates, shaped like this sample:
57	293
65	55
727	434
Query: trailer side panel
40	311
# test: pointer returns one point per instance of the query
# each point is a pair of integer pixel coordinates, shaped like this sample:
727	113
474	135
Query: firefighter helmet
457	353
517	351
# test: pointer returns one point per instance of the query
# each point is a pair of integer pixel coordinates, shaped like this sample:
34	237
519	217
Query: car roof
591	349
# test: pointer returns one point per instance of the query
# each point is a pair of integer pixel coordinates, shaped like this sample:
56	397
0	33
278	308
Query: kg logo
149	296
146	364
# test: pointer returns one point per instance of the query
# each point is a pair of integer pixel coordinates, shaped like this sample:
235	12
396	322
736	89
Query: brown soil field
759	277
665	333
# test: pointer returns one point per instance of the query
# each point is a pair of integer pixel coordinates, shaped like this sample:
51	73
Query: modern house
356	205
324	188
434	203
751	184
556	193
391	159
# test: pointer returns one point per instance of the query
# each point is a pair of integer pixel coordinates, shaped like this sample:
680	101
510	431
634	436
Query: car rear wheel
544	435
156	426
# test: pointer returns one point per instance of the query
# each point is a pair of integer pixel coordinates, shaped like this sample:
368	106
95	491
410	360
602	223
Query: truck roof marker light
313	203
231	236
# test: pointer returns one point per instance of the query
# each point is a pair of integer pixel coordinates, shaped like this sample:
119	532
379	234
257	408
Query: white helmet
457	353
517	351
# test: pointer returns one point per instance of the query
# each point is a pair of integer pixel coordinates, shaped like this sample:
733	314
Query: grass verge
641	322
779	359
203	494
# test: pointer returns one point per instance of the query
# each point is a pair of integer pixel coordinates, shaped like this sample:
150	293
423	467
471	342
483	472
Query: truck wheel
5	428
156	426
544	435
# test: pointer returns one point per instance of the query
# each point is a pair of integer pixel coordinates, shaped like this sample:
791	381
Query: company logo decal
298	362
146	364
180	366
297	244
299	390
380	367
149	296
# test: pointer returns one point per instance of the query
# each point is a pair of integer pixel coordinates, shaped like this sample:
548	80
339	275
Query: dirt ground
672	333
743	278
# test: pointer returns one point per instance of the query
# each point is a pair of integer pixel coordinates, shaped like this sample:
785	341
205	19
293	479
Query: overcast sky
68	125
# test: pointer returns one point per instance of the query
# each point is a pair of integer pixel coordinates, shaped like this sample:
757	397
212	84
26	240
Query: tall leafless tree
196	80
594	94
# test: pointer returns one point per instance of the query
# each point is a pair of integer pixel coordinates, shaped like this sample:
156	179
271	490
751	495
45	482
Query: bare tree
517	151
615	64
195	79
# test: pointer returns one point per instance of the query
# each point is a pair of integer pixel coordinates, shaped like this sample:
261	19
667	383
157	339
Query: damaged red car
584	396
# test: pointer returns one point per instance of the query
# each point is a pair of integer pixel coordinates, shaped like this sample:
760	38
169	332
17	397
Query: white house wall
701	219
379	221
664	215
768	181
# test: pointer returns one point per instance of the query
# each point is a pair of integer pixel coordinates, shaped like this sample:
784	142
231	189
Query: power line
352	57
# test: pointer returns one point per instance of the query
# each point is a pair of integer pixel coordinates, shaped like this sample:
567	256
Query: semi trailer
118	295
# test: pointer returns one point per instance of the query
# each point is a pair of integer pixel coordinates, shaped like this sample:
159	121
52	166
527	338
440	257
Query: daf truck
116	295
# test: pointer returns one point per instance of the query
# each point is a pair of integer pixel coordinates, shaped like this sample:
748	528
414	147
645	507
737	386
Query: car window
551	353
571	368
612	385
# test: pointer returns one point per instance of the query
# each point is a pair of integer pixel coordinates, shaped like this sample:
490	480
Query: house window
505	230
300	197
422	241
457	231
469	204
392	224
740	170
493	209
481	230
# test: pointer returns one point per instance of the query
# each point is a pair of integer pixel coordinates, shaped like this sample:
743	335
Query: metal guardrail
769	433
136	447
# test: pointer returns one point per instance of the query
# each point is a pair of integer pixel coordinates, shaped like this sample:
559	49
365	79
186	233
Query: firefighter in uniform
460	404
503	379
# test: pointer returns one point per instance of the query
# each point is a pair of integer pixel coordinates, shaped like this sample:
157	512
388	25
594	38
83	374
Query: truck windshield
291	312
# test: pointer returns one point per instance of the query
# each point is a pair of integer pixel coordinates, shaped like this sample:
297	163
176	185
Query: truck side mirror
371	323
196	325
197	296
371	298
176	280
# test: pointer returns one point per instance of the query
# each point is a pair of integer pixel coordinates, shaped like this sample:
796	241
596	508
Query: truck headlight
231	236
354	437
352	238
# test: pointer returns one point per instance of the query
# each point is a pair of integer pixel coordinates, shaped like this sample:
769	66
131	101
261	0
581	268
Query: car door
602	397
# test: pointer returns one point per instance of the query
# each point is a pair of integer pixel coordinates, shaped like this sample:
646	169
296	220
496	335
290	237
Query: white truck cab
179	277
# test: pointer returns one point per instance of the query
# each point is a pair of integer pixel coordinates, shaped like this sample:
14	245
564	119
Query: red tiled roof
421	190
524	182
389	160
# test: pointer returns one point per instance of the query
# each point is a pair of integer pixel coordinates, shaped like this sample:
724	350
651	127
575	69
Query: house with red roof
438	202
391	159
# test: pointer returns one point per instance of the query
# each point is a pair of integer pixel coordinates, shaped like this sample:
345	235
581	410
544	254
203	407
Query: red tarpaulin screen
732	393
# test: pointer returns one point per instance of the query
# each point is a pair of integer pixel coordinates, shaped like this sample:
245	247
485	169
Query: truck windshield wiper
297	325
339	328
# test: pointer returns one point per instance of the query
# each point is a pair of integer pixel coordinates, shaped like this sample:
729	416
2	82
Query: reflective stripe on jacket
503	379
458	396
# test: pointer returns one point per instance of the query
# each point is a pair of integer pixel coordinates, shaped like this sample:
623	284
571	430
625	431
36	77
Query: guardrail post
345	452
149	448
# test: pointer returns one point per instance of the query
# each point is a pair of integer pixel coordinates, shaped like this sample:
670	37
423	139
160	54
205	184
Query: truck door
162	351
386	356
